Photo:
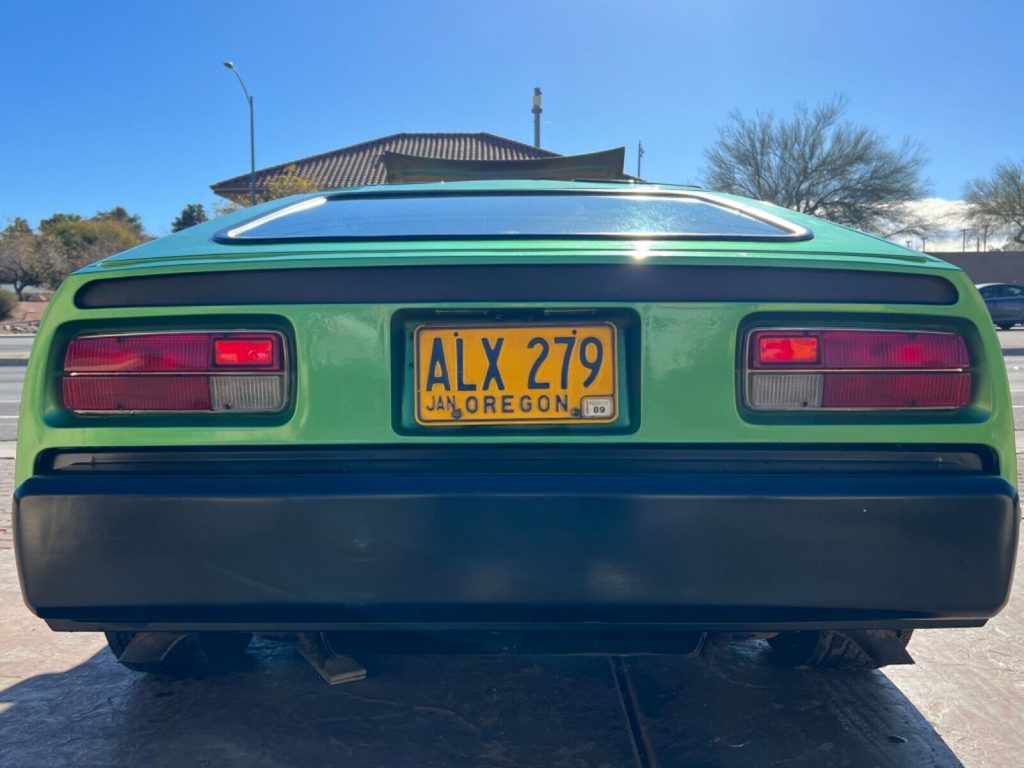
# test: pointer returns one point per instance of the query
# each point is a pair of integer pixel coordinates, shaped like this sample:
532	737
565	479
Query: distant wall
987	266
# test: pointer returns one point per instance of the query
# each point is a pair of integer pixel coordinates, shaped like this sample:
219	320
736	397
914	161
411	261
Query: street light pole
252	135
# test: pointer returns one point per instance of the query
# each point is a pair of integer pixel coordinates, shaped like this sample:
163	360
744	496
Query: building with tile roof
362	164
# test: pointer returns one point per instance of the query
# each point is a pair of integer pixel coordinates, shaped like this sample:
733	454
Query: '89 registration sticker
516	374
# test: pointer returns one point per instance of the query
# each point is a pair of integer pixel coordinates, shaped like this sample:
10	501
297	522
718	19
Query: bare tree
997	203
904	221
820	164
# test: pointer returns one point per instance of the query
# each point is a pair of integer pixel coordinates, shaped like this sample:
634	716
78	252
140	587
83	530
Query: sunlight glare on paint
641	250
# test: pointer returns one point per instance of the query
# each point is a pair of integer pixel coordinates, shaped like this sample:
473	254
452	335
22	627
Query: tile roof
361	164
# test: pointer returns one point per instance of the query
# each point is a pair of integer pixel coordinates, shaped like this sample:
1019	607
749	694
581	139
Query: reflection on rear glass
540	215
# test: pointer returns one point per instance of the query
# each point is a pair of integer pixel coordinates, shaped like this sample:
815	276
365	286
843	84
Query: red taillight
786	350
149	353
137	393
181	372
889	349
245	352
856	369
896	390
857	349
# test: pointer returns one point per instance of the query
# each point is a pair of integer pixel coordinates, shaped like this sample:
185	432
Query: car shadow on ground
734	709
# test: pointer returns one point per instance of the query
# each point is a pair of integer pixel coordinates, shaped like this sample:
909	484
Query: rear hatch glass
523	215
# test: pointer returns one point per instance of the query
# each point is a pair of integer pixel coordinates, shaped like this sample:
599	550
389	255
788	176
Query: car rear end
722	434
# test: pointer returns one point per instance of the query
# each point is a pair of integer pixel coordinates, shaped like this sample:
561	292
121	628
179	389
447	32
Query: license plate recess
514	374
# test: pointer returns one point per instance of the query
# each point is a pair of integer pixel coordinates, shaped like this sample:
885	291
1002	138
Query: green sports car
569	412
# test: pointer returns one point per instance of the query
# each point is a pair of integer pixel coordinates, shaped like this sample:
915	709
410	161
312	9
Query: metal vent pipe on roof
536	117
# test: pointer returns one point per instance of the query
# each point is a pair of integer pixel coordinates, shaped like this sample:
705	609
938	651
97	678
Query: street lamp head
229	64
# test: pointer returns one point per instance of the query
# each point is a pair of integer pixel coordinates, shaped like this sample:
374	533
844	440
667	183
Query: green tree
286	183
131	222
190	215
818	163
68	242
21	264
997	203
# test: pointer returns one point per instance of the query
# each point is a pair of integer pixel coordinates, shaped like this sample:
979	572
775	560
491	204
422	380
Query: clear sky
126	103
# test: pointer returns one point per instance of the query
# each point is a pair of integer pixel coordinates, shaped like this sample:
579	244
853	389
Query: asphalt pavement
14	353
10	397
20	343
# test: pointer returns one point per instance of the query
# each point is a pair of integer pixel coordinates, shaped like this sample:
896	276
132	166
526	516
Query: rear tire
198	654
825	650
1006	326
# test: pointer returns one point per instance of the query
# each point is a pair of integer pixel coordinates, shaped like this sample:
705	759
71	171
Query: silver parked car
1005	303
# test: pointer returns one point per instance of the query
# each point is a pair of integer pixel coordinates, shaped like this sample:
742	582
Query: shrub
8	301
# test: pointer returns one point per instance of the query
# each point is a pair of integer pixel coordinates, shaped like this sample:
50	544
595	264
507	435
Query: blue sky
126	103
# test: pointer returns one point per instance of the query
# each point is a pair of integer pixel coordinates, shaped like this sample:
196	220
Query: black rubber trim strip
395	637
548	459
515	283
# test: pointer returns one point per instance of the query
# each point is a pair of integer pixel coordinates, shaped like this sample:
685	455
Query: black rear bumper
467	548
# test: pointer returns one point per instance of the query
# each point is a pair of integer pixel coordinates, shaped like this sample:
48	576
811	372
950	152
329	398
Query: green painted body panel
345	360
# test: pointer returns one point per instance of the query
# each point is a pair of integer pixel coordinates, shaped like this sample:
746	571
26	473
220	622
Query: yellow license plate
516	374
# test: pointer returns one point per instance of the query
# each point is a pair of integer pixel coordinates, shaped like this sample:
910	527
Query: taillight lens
896	390
844	369
137	393
148	353
255	351
176	372
786	350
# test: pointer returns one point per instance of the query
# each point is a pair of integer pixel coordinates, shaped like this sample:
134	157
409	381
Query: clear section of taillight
242	372
247	394
793	369
786	392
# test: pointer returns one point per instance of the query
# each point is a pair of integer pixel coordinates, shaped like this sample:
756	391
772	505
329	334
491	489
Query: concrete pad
411	711
738	710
